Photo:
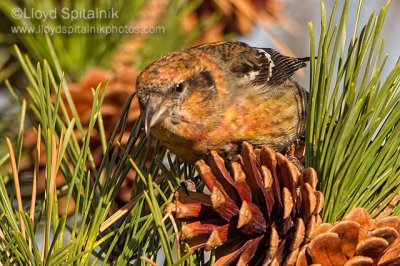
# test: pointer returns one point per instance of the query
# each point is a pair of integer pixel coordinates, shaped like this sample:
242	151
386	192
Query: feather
284	66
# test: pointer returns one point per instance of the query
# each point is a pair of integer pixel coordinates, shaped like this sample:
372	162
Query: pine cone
357	240
261	209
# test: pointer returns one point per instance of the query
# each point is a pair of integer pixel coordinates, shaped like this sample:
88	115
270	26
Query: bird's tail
304	59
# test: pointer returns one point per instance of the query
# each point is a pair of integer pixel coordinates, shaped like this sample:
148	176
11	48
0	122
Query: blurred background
133	34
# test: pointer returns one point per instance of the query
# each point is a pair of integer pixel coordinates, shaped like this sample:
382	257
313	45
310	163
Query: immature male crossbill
214	96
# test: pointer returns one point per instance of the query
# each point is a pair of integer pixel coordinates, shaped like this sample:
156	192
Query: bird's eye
180	87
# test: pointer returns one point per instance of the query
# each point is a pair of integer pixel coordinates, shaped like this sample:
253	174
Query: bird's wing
250	65
265	65
283	66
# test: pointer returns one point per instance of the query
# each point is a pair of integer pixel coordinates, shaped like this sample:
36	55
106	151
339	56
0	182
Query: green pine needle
353	136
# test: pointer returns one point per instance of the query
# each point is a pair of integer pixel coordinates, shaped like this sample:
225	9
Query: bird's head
172	88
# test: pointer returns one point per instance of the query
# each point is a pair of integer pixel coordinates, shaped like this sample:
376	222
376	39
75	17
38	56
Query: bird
214	96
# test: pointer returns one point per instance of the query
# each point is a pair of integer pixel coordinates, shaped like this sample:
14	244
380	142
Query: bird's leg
296	162
296	154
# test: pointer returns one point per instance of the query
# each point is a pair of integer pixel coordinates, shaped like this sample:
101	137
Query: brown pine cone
261	210
357	240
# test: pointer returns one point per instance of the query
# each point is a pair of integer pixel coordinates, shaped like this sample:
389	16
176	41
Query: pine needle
17	186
